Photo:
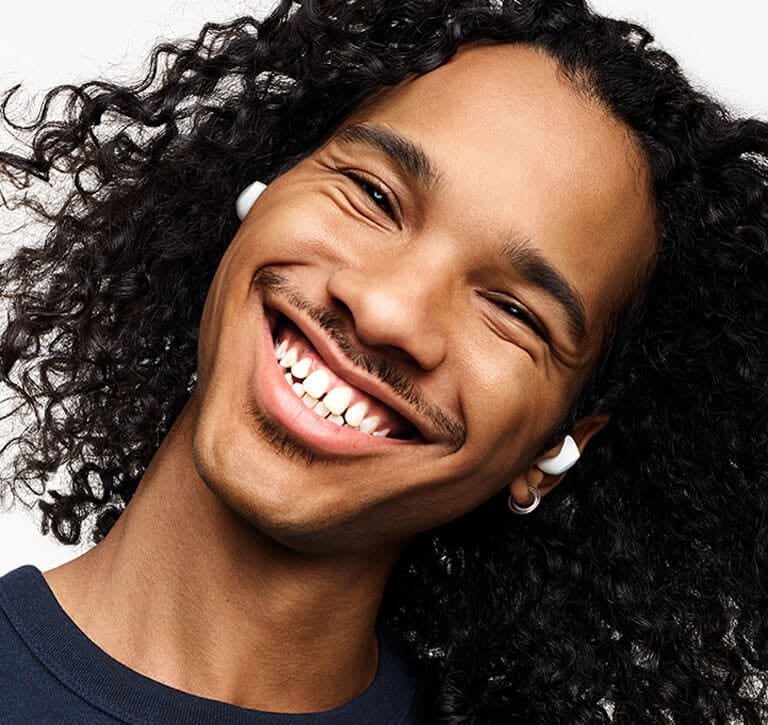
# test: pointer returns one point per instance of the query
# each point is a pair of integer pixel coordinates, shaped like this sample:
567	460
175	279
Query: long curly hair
638	592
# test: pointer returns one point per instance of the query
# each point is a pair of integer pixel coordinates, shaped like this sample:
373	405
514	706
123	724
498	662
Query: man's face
451	255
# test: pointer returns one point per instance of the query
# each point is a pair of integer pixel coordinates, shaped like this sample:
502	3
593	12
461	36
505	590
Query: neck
184	591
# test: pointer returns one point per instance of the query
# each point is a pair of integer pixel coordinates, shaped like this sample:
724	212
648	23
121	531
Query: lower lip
283	405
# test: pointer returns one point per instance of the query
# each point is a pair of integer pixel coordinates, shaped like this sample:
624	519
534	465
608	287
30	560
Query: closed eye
375	193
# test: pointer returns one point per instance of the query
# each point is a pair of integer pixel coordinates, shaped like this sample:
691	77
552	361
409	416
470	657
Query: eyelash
521	314
505	305
370	186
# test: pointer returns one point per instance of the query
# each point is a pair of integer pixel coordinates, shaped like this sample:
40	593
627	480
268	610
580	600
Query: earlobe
547	472
516	508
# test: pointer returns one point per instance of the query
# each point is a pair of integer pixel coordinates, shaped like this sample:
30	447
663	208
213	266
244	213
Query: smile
326	394
323	401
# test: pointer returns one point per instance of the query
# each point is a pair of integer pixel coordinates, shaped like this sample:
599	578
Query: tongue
287	332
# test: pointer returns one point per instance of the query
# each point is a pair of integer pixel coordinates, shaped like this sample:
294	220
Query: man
442	292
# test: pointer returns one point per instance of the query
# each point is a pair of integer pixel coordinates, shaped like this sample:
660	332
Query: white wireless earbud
247	198
568	455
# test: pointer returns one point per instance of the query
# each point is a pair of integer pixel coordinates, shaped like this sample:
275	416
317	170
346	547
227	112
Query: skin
247	558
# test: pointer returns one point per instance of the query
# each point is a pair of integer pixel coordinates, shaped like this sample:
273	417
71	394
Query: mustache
338	329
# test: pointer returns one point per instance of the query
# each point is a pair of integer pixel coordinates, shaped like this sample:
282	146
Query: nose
397	302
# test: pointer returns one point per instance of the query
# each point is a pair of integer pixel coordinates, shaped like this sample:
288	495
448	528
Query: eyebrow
538	272
413	161
407	155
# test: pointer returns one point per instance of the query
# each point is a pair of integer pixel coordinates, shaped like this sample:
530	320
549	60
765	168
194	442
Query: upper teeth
312	388
338	399
301	369
288	360
355	415
316	383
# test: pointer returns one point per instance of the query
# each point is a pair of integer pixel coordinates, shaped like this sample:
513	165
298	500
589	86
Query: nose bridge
398	298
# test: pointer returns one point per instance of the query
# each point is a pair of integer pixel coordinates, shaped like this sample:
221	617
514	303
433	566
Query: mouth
327	393
323	403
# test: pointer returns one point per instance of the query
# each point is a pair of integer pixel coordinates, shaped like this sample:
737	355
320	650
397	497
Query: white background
42	44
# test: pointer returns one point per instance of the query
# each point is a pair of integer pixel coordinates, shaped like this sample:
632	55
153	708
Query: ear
533	477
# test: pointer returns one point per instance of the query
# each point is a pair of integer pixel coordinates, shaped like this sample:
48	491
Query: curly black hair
639	592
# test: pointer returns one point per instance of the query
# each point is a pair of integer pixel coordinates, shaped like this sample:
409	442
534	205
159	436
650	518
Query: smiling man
484	236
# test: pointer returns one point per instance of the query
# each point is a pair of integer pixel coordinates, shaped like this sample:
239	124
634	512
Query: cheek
508	407
209	324
309	214
224	290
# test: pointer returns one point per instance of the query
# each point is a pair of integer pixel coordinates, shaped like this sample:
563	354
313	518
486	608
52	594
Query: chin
292	505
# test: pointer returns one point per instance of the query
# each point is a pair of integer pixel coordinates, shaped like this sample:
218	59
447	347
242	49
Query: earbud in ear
247	198
564	460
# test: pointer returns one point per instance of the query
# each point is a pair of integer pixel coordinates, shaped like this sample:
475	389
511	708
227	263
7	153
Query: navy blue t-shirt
50	672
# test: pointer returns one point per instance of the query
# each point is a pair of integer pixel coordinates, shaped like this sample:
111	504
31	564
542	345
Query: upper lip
350	373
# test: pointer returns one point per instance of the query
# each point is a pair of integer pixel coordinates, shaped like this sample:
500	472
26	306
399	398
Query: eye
520	312
376	194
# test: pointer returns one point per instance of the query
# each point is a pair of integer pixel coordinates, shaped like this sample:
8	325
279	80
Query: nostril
343	309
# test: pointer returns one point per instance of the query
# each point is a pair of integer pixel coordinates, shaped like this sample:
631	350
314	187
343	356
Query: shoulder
30	690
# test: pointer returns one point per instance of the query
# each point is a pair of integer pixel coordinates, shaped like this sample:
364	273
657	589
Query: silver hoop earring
515	508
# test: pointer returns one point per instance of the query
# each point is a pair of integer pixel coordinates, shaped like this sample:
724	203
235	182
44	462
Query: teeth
317	383
308	400
290	358
354	416
301	369
370	424
338	399
321	410
315	386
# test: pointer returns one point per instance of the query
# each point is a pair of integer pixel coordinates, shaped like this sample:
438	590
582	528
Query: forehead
521	151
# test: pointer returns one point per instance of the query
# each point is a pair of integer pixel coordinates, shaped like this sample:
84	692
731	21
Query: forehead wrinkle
536	270
406	154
